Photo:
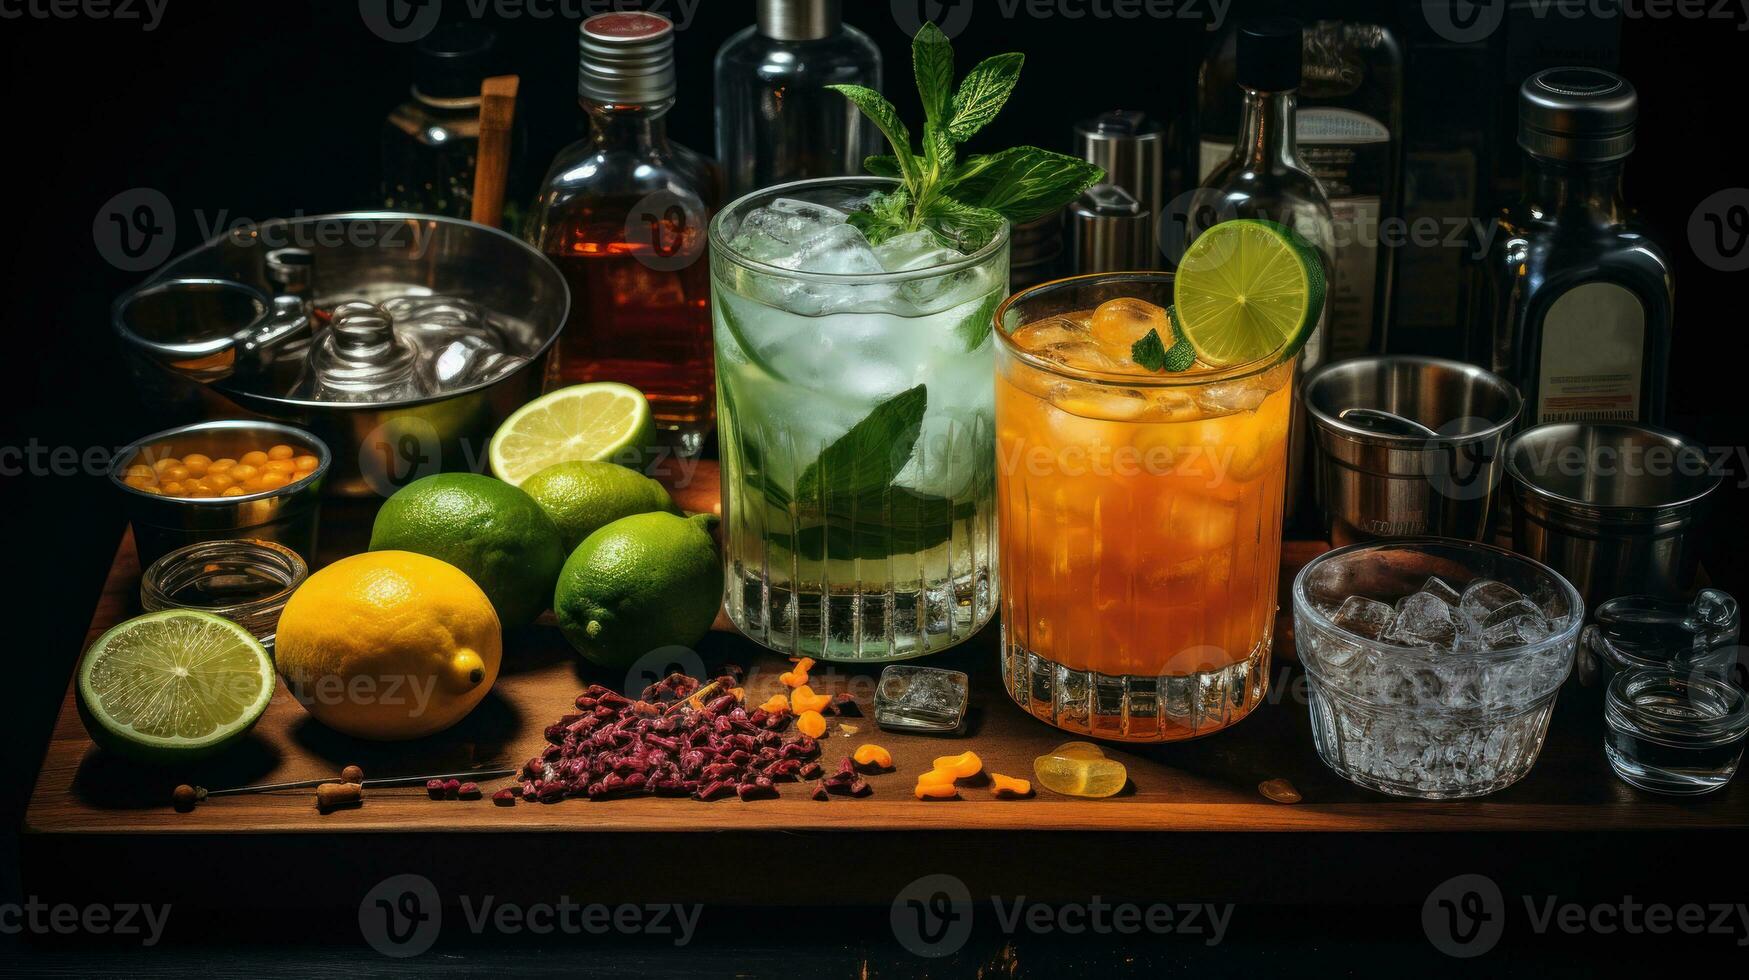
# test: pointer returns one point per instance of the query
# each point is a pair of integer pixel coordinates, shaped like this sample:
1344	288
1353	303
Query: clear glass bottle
1265	178
1574	303
430	142
624	214
776	120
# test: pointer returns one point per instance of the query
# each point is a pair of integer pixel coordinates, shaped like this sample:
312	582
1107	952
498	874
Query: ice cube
1482	596
1231	398
1082	355
921	699
838	250
1050	331
818	214
912	251
1423	620
1513	610
1515	632
1122	322
1440	587
1364	617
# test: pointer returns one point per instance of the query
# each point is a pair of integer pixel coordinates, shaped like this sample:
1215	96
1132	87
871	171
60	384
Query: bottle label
1593	353
1350	154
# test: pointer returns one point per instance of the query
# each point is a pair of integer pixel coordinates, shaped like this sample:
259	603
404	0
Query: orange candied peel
1008	786
963	766
811	724
870	754
774	704
803	698
937	776
797	676
935	790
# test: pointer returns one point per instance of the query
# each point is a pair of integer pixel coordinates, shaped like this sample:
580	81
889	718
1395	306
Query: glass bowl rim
719	245
1566	636
1236	372
1720	730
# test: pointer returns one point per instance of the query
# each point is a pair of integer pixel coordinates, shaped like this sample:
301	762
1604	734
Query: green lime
173	686
487	528
581	497
638	584
596	421
1247	289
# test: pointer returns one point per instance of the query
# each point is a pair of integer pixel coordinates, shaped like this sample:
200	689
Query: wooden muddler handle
492	161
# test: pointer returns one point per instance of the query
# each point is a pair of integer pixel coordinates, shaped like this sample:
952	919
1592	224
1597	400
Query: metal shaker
1114	226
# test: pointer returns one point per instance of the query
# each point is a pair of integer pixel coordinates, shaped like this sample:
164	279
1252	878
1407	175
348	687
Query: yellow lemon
389	645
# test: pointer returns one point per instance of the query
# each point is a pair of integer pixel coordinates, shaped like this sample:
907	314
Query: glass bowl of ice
1432	664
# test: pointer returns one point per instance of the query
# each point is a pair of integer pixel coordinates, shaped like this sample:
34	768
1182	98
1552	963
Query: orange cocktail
1140	517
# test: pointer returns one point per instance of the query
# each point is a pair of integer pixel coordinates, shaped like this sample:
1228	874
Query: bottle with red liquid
623	213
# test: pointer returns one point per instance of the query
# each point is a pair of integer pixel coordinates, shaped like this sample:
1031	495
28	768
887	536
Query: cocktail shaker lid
800	20
626	59
1585	115
1131	148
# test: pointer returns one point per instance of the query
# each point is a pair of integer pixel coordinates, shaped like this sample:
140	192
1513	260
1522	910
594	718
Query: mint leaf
888	215
1023	183
932	63
868	457
1152	353
884	166
974	329
877	108
983	94
968	228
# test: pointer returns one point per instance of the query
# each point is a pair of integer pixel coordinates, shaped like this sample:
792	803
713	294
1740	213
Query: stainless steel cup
1377	484
286	516
1612	507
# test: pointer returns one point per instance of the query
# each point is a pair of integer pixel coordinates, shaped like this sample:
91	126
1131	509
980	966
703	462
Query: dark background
258	109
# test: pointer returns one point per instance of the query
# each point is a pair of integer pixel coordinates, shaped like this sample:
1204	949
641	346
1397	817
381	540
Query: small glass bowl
244	580
1674	732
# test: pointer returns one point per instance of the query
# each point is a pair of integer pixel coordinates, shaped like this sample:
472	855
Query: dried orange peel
1008	787
803	698
963	766
873	756
797	676
811	724
775	704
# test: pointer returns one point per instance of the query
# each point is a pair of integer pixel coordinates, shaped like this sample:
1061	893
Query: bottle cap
800	20
626	59
1584	115
453	60
1269	54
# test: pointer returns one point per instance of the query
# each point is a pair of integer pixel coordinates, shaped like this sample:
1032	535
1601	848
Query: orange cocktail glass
1140	520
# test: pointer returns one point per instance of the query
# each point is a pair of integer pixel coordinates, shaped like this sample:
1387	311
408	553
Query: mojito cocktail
855	425
1141	515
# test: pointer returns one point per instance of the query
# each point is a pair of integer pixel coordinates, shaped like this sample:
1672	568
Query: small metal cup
1612	507
286	516
1374	484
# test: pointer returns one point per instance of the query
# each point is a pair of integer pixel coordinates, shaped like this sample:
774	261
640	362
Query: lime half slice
173	686
599	421
1246	289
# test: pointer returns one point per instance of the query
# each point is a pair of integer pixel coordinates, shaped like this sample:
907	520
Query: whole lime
638	584
583	497
487	528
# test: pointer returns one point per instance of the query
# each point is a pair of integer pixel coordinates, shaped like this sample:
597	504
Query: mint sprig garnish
962	203
1152	353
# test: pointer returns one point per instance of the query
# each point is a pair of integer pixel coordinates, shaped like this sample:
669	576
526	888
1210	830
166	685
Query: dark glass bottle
430	142
623	213
1574	304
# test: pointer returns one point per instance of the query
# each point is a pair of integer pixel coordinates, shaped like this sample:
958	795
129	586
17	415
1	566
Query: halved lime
173	686
1246	289
601	421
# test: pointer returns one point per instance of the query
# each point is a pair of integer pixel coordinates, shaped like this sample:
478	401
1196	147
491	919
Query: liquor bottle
1349	129
1574	304
624	214
1265	177
429	143
776	120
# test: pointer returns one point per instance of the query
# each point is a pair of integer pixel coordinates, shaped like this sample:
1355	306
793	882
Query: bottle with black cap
623	214
429	143
776	120
1574	303
1264	178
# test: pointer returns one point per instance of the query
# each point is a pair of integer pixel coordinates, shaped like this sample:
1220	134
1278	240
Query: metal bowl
286	516
380	447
